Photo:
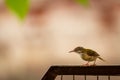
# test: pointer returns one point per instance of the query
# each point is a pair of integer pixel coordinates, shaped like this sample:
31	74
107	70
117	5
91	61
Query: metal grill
84	71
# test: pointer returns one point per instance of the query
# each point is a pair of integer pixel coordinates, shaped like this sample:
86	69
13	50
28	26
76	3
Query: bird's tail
101	58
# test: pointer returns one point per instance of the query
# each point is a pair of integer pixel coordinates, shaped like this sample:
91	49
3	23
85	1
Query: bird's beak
71	51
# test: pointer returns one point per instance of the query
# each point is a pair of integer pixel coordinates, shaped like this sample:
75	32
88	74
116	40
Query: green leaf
83	2
19	7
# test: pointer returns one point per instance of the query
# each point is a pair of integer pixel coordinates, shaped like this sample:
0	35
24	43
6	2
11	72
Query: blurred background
51	29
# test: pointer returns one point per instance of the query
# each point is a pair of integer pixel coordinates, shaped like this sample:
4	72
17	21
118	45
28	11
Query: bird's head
78	50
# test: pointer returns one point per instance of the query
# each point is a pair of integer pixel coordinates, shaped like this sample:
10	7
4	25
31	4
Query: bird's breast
87	57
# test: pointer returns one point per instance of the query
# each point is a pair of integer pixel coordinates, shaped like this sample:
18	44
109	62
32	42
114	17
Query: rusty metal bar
85	77
97	77
73	77
61	77
108	77
81	70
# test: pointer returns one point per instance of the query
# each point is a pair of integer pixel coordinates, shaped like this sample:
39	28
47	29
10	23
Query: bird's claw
86	65
89	65
93	65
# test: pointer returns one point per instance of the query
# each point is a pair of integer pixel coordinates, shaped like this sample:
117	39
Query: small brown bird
87	55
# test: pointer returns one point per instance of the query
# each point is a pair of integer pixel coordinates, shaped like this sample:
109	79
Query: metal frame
53	71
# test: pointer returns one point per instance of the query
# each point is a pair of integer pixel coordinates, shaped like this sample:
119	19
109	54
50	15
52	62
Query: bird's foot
86	65
93	65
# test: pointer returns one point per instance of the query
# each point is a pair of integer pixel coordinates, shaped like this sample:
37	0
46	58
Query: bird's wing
91	52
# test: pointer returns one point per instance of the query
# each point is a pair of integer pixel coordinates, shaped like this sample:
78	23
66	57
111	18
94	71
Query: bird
88	55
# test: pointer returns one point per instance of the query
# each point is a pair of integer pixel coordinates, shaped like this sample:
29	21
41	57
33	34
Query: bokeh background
51	29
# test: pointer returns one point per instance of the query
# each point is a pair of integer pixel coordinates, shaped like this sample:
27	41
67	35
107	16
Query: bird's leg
94	63
87	64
